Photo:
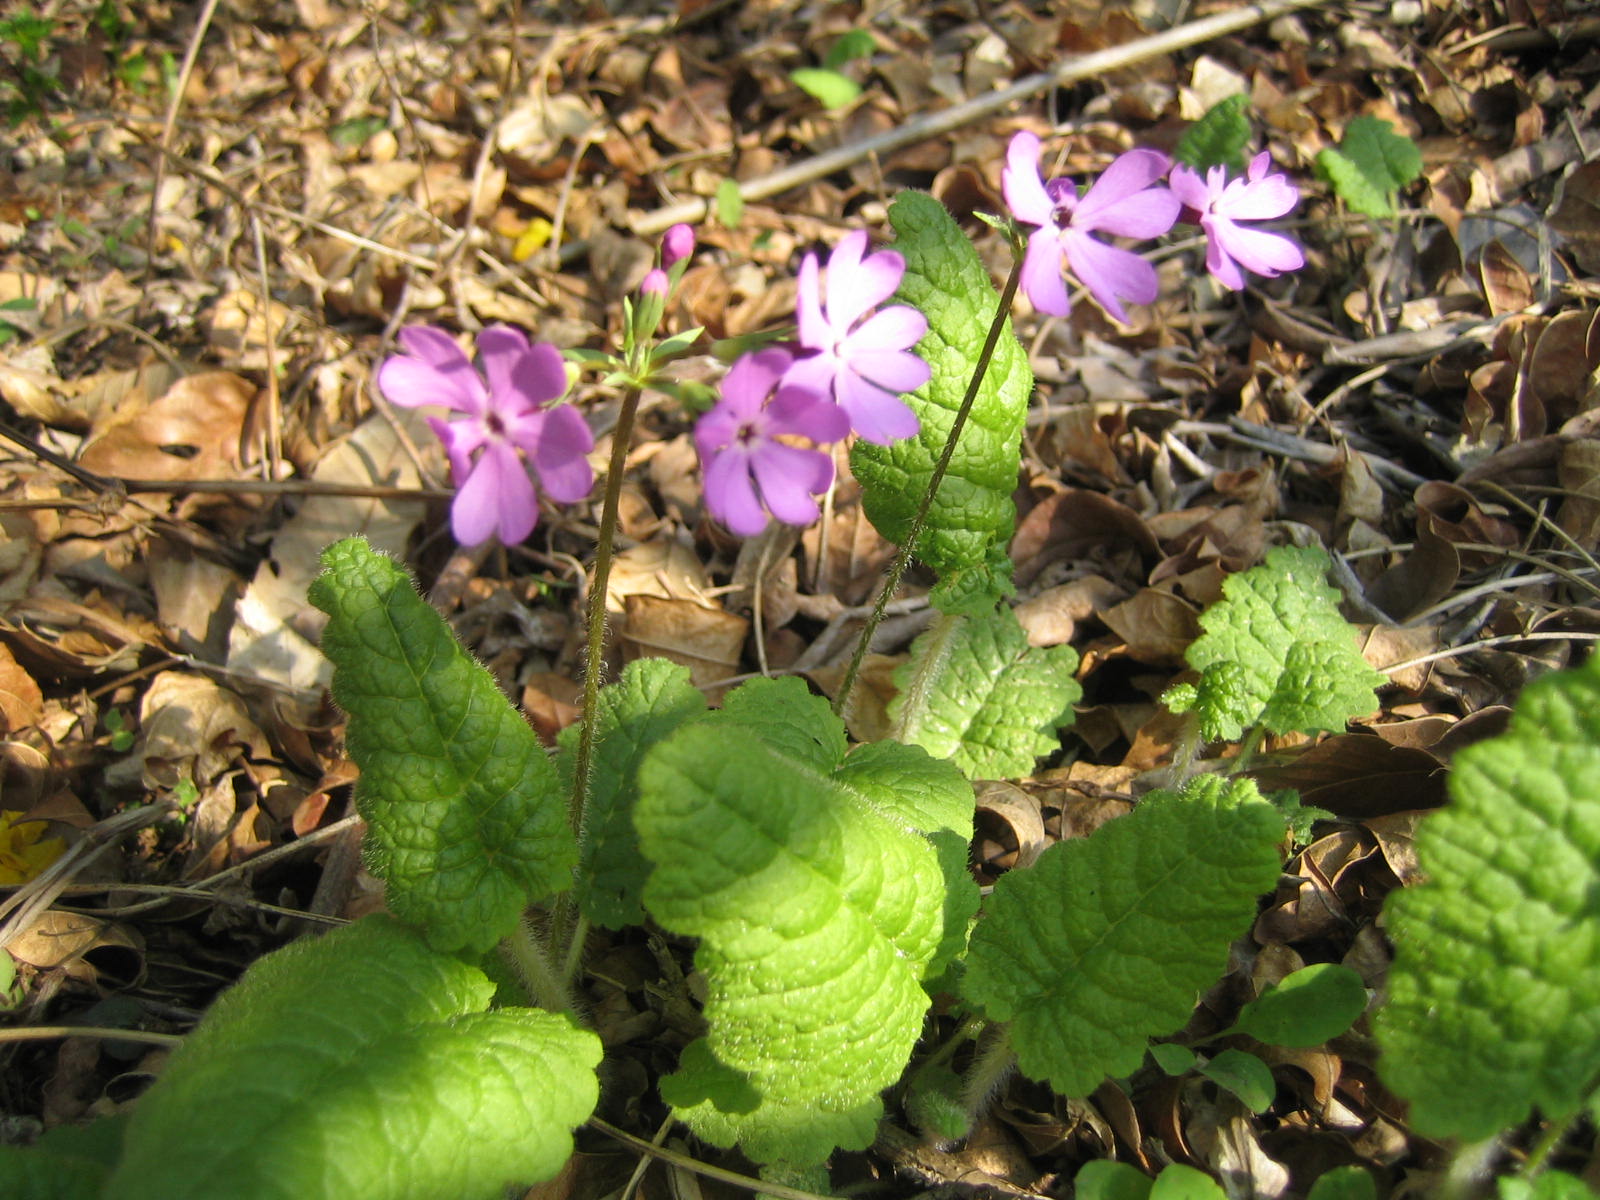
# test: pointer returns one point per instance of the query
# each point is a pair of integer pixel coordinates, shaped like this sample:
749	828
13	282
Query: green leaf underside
975	692
1276	651
1493	1002
1218	138
360	1064
1107	940
1371	163
466	820
973	515
1306	1007
819	902
652	698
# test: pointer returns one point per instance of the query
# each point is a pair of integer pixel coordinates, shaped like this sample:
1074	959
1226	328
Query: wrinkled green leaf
1370	165
1276	651
1493	1005
652	698
819	902
1107	940
360	1063
1306	1007
1218	138
466	820
1245	1075
973	515
827	87
975	692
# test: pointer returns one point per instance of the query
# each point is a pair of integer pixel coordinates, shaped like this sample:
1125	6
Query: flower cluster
1128	200
846	375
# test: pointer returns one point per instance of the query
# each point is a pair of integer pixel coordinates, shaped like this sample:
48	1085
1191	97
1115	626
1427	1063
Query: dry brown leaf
191	432
192	728
1052	617
21	702
706	640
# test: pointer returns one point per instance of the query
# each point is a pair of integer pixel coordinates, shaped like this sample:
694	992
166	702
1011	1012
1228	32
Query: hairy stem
902	559
988	1071
925	677
527	956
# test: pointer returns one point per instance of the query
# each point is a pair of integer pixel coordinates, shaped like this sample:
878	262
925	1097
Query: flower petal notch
1219	205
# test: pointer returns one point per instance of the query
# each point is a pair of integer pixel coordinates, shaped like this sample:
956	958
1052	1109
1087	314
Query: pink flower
677	243
1122	202
747	470
866	365
655	283
498	426
1218	206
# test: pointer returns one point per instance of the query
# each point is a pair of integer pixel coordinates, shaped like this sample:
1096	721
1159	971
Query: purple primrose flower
497	426
1217	206
1123	202
866	365
677	243
745	466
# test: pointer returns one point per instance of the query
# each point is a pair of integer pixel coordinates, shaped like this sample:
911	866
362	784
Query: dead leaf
706	640
21	702
191	728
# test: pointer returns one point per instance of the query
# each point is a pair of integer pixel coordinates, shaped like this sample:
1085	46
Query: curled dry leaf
191	432
706	640
190	728
21	702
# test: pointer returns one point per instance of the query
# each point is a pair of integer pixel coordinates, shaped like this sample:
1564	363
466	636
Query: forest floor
202	291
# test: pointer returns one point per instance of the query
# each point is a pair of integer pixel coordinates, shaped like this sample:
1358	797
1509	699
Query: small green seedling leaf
1173	1058
1370	165
1178	1182
1275	651
730	204
849	46
975	692
356	131
361	1063
1549	1185
1218	138
1107	1179
820	905
1245	1075
828	88
1107	940
652	698
1493	1004
934	1103
466	820
972	516
1344	1183
1306	1007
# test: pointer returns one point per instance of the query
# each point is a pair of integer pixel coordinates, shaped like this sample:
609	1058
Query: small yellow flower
22	854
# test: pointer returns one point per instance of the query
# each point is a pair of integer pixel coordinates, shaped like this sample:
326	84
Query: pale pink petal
676	243
858	286
876	415
898	327
541	374
814	373
787	476
433	346
1261	200
1268	254
806	413
1041	273
497	496
559	457
501	350
814	331
460	440
1128	173
750	381
730	495
1189	188
897	371
1222	268
411	382
1258	166
1111	274
1146	214
1019	181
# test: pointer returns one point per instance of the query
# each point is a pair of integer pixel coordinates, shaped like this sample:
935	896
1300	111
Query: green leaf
1344	1183
1178	1182
819	903
972	516
466	821
1493	1002
1107	1179
1305	1007
361	1063
1107	940
1218	138
68	1162
934	1104
1172	1058
1276	651
729	204
828	88
652	698
975	692
850	45
1370	165
1549	1185
1246	1076
356	131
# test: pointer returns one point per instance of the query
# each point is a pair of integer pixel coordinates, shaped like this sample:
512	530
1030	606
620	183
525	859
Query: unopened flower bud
676	244
655	284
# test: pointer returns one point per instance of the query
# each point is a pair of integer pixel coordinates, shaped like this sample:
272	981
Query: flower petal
1261	200
1191	190
1022	186
898	327
897	371
432	371
559	457
541	374
788	476
805	413
1128	173
814	373
1110	273
1041	273
1146	214
856	286
497	497
461	439
1268	254
730	494
878	416
501	350
750	381
814	331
